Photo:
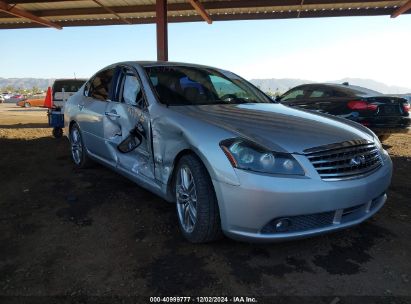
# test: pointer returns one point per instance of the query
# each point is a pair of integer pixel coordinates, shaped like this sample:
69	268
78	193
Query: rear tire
57	132
78	149
197	207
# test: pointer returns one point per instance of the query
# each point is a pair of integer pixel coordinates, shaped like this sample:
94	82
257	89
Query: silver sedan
234	161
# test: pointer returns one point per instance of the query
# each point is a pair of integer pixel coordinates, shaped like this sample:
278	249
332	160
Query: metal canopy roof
61	13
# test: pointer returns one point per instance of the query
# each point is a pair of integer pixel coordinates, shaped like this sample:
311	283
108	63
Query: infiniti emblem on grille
358	160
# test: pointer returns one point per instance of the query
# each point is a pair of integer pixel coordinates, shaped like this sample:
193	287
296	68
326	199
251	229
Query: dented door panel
125	114
138	161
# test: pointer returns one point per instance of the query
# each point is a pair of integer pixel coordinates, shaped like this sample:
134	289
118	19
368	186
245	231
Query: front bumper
248	210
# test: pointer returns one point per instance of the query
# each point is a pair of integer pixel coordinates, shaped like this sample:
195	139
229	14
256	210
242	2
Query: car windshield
183	85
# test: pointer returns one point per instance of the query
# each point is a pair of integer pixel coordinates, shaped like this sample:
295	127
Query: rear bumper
391	130
388	125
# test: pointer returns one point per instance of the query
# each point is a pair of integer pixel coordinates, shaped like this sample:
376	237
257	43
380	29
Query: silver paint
247	201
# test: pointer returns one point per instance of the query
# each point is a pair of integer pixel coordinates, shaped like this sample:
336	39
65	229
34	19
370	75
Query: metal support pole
161	20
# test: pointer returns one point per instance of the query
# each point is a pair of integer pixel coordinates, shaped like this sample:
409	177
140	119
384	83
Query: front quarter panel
69	113
174	133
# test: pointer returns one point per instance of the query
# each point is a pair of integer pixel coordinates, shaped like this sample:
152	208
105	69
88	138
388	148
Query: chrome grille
345	160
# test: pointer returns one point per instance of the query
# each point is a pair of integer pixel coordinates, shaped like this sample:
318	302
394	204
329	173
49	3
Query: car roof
70	79
146	64
346	88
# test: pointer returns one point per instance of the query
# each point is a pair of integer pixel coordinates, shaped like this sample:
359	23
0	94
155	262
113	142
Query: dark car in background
383	114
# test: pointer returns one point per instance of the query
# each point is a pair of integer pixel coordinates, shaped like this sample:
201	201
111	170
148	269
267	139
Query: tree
35	90
8	88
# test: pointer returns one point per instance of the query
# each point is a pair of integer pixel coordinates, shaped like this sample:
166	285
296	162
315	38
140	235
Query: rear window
356	90
68	85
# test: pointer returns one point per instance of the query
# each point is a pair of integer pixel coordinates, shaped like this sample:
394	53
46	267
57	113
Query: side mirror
131	142
278	98
86	91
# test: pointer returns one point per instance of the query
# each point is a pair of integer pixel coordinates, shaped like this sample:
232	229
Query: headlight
245	155
377	142
382	151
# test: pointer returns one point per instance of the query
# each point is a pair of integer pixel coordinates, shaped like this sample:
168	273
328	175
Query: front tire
197	207
27	105
78	149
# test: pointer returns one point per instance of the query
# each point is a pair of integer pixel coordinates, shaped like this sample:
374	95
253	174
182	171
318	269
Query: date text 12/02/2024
239	299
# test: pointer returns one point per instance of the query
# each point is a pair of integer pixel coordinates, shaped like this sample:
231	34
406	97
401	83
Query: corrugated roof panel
89	10
75	17
13	20
102	16
116	3
181	13
56	5
310	7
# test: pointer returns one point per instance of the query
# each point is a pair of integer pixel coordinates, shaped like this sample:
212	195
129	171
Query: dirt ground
65	231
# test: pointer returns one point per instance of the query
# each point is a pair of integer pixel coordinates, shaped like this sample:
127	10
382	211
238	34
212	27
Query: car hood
278	127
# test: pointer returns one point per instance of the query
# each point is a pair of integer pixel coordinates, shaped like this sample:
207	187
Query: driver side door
91	112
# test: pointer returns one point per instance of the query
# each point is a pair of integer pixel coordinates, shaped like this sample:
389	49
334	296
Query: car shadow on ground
25	126
34	109
93	232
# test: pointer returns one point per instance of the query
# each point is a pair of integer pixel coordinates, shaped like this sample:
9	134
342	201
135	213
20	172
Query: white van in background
63	88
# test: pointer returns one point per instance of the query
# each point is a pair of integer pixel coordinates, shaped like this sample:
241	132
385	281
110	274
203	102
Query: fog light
282	225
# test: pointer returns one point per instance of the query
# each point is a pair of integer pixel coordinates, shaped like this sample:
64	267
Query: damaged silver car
234	161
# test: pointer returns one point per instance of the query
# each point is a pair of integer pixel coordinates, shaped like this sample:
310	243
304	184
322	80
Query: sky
318	49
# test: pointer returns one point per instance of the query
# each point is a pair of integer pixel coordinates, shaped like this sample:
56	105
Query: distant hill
282	85
268	85
26	83
375	85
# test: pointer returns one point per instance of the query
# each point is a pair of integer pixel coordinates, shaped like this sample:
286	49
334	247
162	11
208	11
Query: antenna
74	75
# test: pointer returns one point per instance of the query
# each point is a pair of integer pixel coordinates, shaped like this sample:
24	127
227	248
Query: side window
100	85
87	88
132	92
154	80
294	94
318	94
337	93
224	87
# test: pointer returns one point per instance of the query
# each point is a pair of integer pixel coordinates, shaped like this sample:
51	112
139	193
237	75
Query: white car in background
6	95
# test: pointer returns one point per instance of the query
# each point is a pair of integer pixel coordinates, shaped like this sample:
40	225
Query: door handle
80	107
112	114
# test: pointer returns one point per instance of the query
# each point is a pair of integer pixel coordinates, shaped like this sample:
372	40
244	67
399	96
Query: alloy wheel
76	145
186	197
